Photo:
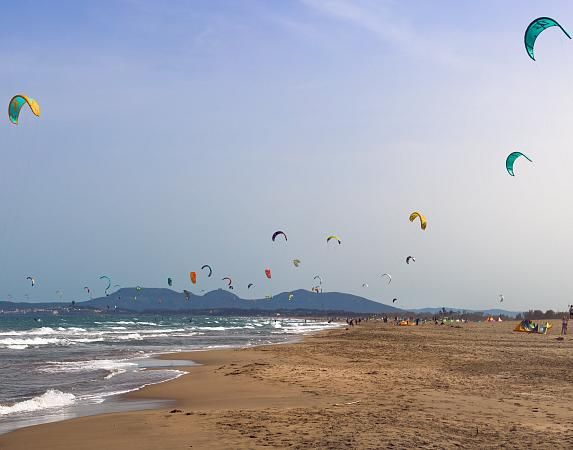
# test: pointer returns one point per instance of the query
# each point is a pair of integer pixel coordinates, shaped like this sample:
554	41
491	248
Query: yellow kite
423	222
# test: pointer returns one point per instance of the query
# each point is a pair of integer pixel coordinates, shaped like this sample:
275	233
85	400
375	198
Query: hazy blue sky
175	134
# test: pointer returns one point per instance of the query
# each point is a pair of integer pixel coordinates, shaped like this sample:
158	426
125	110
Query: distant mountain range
223	301
155	299
219	301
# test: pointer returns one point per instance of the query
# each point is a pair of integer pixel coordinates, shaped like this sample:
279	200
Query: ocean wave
17	347
49	399
115	372
109	365
37	341
130	336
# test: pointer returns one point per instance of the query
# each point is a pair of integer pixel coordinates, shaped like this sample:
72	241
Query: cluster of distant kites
532	32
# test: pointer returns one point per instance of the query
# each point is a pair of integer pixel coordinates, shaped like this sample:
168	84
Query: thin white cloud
378	19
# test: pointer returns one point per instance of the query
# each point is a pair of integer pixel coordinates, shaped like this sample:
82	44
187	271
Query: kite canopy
193	277
268	273
290	297
410	258
526	326
228	280
16	104
394	300
318	277
207	266
32	280
364	285
389	277
423	222
250	285
329	238
170	281
296	262
500	298
277	233
535	28
105	277
511	160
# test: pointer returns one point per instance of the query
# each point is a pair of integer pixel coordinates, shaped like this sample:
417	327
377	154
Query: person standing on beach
564	325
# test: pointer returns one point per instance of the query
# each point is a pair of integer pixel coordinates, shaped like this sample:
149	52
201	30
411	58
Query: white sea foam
36	341
49	399
110	365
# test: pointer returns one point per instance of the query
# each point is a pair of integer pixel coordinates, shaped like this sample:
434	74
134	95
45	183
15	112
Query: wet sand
373	386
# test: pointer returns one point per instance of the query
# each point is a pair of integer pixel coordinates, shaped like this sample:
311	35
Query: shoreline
209	392
373	386
158	366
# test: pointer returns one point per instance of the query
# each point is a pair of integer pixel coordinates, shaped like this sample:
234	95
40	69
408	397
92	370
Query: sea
56	367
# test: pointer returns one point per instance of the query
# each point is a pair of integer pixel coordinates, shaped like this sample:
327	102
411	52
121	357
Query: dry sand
373	386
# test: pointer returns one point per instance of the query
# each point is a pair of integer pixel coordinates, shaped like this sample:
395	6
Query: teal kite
16	104
535	28
511	159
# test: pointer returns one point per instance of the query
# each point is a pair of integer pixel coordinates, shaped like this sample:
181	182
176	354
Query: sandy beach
372	386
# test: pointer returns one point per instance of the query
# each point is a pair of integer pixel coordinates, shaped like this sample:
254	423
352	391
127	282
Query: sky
182	133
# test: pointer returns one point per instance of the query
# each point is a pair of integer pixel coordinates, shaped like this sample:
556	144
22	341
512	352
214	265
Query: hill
159	299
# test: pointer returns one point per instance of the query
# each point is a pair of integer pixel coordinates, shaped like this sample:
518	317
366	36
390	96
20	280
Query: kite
394	300
329	238
250	285
364	285
511	159
500	298
296	262
169	281
104	277
534	30
207	266
268	273
410	258
526	326
278	233
16	104
230	282
32	280
422	218
87	289
193	277
319	279
290	297
389	277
